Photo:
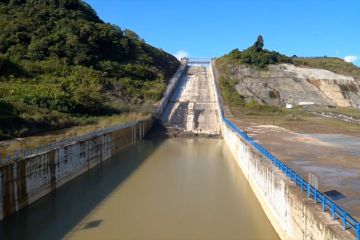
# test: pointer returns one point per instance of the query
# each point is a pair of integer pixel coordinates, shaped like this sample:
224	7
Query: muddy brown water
170	189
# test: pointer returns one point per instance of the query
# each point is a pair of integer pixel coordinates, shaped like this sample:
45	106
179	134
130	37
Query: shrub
255	55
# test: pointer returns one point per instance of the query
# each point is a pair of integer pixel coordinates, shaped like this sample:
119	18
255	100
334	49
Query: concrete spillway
192	107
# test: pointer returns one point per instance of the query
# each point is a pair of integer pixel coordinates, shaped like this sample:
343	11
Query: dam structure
216	182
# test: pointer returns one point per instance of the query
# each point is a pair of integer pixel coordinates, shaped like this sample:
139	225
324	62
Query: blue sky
212	28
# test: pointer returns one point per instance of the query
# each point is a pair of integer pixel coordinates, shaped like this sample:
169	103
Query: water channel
170	189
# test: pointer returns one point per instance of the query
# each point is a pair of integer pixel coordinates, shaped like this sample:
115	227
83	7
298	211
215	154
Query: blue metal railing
348	222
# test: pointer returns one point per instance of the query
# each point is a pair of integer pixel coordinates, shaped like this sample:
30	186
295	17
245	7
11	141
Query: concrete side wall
171	87
27	180
292	215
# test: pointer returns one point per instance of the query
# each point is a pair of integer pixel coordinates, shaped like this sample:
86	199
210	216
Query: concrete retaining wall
171	87
24	181
338	116
292	215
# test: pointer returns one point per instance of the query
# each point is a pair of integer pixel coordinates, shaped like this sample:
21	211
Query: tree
256	55
130	34
259	44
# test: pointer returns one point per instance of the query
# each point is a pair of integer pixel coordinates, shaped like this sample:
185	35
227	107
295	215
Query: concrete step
161	130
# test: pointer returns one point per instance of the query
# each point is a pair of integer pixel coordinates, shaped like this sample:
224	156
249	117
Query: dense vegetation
255	55
60	65
335	65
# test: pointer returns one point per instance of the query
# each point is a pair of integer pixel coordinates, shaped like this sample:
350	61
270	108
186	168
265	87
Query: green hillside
255	55
60	65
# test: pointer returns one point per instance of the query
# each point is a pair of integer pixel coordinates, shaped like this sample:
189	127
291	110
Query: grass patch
229	93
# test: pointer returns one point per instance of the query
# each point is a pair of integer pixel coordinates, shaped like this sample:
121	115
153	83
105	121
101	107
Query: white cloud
351	58
180	54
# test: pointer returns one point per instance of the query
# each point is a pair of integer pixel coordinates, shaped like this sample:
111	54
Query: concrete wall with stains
292	215
174	81
24	181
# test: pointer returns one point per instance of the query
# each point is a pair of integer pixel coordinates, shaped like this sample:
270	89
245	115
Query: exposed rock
286	83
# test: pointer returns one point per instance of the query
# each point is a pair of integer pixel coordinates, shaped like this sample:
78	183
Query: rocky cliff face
288	84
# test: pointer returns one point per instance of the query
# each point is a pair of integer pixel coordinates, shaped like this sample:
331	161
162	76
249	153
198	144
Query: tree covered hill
60	62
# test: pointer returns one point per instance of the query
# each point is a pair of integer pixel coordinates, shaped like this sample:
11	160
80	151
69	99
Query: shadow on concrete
55	215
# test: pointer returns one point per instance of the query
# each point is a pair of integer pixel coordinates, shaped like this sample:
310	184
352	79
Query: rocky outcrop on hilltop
288	84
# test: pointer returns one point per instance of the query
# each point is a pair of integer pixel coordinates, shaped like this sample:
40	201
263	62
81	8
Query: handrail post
358	231
295	178
315	195
333	210
323	203
308	190
344	220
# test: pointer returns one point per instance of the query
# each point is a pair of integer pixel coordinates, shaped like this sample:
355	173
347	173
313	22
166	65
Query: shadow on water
53	216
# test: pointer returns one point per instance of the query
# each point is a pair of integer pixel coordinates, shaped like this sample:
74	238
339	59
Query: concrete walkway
333	158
